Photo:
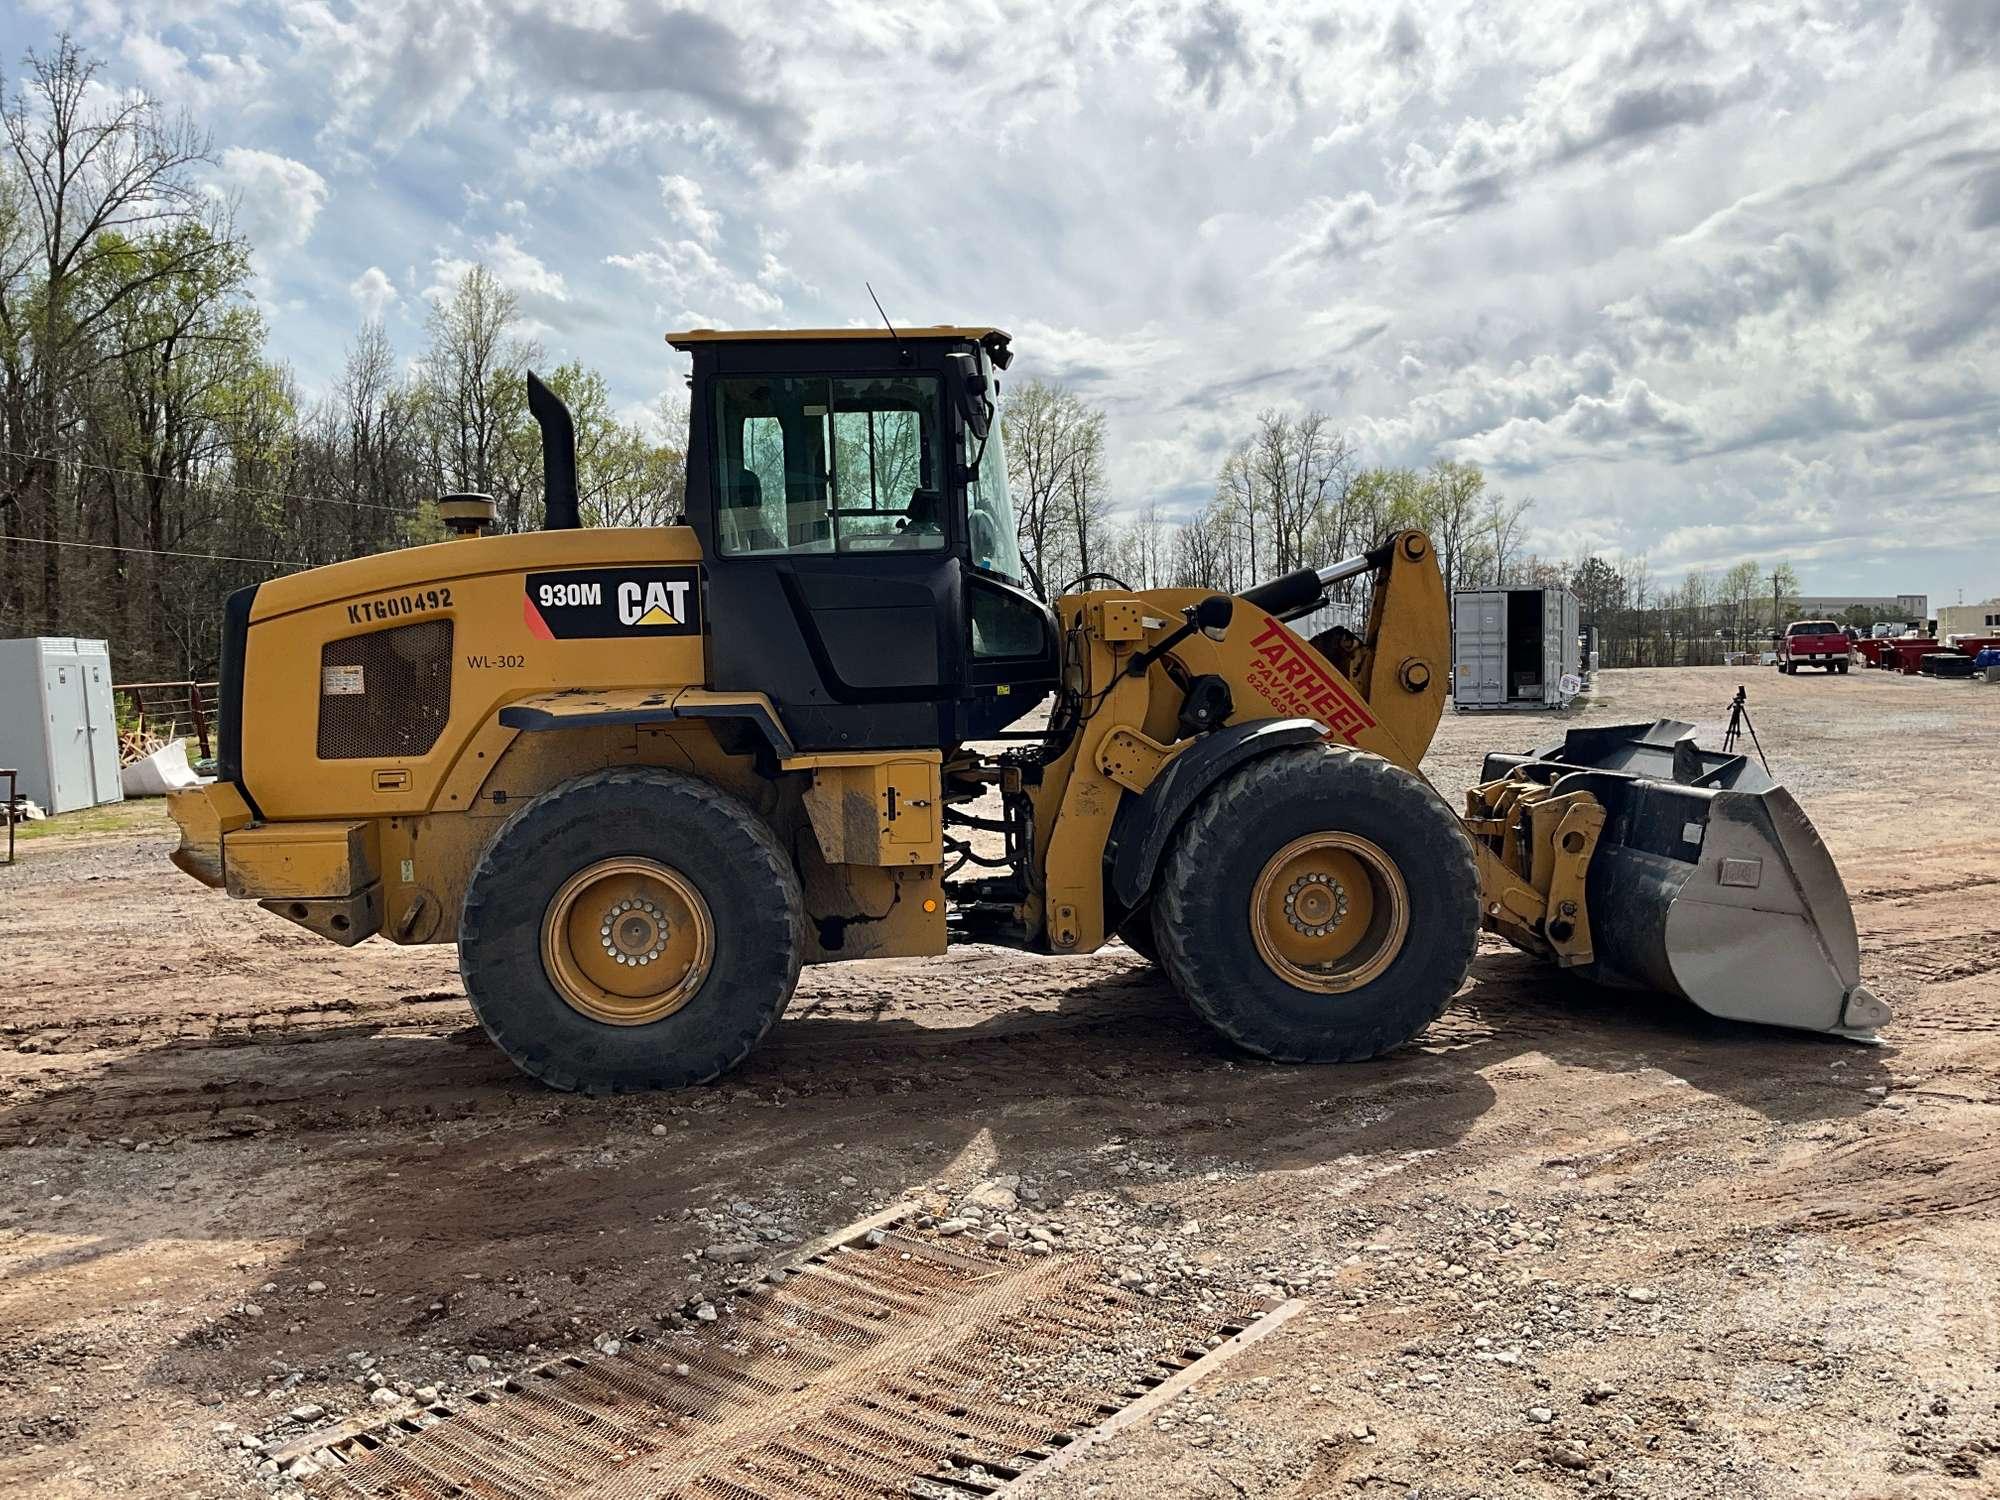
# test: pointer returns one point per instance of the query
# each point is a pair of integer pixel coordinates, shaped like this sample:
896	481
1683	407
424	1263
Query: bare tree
1784	596
1639	598
1149	546
1202	550
1238	505
1086	503
475	405
1456	519
1295	473
1501	522
1697	593
1051	436
1741	586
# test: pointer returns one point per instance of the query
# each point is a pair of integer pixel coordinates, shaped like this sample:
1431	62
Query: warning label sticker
341	682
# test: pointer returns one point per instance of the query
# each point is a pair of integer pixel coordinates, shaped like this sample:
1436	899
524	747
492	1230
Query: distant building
1914	608
1969	619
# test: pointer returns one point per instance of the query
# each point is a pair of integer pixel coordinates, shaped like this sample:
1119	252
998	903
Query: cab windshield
996	547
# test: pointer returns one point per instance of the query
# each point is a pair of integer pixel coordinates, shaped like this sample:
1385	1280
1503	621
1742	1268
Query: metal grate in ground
891	1364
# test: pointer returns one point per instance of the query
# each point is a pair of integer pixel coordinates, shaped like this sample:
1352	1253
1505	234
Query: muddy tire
1319	905
631	929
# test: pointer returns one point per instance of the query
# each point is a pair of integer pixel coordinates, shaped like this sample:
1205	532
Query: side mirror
1213	614
975	403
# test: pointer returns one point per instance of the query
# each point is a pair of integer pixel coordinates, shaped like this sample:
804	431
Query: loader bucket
1709	881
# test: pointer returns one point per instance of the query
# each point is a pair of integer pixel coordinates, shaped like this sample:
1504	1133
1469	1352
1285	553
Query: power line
38	541
211	487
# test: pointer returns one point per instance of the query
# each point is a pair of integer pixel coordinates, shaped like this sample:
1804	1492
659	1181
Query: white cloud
686	211
279	199
683	272
512	266
525	273
447	271
373	292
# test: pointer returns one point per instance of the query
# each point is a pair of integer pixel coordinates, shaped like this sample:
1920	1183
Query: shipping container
58	722
1515	648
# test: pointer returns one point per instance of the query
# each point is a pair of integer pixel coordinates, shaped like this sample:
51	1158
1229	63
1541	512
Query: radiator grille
385	696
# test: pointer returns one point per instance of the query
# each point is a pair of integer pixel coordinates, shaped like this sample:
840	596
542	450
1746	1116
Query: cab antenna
902	349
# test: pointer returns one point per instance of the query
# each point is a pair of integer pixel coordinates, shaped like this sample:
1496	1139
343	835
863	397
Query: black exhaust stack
559	507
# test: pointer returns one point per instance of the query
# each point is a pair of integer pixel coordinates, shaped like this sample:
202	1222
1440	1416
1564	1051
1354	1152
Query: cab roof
693	336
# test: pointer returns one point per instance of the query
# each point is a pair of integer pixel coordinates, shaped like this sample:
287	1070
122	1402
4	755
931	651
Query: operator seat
745	518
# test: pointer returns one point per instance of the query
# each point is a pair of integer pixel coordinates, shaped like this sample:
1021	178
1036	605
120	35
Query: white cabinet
58	722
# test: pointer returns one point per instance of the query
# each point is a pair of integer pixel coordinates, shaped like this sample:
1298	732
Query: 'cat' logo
652	603
596	603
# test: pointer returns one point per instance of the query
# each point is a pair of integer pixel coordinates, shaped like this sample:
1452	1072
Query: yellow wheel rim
1330	912
627	941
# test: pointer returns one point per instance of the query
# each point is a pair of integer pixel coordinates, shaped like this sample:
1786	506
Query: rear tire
538	988
1241	968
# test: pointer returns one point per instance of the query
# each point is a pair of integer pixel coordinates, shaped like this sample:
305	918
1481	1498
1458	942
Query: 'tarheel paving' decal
594	603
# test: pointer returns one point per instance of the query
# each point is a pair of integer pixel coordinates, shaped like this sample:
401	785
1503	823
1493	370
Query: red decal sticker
532	618
1294	683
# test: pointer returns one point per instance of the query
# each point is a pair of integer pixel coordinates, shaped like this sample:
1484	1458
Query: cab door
835	576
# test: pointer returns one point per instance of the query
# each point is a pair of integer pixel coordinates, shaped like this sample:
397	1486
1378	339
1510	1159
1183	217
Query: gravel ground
1570	1242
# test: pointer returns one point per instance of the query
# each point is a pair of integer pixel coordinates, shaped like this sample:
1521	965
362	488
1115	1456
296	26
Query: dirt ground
1572	1242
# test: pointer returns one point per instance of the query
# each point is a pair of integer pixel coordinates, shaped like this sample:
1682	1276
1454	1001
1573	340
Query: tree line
1695	620
1292	494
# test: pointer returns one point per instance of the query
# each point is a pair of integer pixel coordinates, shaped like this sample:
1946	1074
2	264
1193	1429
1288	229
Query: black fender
1143	824
529	719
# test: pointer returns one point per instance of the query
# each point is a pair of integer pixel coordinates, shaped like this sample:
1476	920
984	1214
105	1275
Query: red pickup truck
1813	643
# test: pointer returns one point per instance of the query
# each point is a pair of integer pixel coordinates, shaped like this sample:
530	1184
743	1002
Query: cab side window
810	465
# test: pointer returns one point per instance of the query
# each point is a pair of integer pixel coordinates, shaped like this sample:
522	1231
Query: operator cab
850	491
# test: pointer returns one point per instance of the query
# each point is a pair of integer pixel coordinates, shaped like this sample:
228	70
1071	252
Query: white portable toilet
1514	648
59	724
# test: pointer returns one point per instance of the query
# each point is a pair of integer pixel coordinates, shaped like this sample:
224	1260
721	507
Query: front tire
1320	905
632	929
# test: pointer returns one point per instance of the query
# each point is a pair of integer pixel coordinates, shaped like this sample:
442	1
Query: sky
1705	280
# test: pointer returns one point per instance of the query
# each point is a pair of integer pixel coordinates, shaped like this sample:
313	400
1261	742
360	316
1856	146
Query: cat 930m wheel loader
640	776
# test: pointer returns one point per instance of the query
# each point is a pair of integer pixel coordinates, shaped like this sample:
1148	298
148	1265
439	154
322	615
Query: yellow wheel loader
641	776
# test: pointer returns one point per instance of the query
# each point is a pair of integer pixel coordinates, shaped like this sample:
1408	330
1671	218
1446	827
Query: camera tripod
1739	722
